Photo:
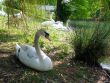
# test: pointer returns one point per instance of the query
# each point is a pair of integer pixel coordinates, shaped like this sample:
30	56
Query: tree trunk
58	10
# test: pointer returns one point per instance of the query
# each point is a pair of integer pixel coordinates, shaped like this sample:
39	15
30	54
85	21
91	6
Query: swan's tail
17	49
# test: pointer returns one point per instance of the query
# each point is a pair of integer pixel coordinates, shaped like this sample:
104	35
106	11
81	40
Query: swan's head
44	33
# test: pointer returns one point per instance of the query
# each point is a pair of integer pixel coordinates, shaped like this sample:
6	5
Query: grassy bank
59	49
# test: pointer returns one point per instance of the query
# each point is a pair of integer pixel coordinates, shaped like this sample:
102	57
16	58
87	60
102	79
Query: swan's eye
46	34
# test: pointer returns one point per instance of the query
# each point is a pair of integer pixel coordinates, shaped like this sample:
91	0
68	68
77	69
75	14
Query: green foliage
29	8
52	2
12	6
76	9
85	9
104	13
89	44
90	9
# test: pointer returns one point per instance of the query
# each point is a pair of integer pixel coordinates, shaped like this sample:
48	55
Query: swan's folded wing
31	52
24	47
30	56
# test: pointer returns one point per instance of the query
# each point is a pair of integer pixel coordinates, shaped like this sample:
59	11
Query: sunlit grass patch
25	35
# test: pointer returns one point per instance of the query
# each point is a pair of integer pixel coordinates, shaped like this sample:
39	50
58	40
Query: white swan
105	66
59	25
34	57
3	13
19	15
65	1
49	22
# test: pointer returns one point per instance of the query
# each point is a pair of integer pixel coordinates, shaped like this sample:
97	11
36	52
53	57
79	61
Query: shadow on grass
5	36
13	71
8	70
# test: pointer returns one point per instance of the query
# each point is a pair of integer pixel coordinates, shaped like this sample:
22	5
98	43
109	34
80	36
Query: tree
63	11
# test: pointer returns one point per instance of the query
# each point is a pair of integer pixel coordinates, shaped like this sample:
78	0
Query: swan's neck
51	17
36	45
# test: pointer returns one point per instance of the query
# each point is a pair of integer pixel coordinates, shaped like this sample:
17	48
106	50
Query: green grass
25	34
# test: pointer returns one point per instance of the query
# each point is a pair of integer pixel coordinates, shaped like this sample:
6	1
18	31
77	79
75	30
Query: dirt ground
13	71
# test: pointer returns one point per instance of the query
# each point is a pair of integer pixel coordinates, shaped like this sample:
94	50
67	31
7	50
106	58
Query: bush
89	44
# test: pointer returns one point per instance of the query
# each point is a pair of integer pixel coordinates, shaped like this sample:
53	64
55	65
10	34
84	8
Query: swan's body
18	15
65	1
34	57
105	66
48	22
3	13
59	25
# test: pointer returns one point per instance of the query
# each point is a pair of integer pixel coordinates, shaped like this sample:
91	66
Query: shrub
89	44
